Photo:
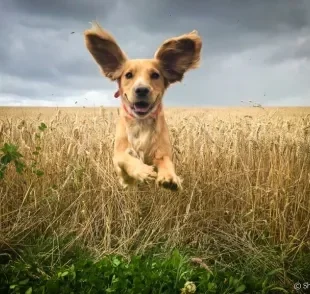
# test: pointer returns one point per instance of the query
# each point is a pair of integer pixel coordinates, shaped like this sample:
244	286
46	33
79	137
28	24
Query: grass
173	272
244	210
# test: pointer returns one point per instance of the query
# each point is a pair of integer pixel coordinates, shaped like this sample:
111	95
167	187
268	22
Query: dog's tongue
141	108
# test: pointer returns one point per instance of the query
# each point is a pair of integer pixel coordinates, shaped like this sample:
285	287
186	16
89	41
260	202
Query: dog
142	147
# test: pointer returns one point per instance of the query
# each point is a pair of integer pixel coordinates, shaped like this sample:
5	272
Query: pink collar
118	92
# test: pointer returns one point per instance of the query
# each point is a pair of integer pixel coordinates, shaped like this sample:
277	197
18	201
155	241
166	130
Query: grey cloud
225	25
252	15
54	58
246	45
39	54
66	9
294	49
33	88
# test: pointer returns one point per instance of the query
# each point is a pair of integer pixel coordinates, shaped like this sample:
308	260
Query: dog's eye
155	76
128	75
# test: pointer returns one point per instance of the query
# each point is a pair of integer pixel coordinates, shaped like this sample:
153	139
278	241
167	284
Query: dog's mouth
141	107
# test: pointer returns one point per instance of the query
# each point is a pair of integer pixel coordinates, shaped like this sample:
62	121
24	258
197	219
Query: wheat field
246	175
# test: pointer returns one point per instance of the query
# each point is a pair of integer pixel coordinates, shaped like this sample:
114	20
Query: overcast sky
252	50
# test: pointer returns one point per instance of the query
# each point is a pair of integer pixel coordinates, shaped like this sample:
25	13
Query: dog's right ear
105	51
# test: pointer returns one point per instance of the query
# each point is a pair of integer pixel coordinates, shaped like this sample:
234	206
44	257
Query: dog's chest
141	137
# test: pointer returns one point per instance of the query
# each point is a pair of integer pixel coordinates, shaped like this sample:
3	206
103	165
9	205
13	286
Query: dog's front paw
169	181
145	173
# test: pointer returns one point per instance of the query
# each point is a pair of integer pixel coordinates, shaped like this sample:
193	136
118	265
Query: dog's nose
142	92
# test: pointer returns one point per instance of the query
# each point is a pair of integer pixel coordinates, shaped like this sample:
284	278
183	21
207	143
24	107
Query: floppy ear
178	55
105	51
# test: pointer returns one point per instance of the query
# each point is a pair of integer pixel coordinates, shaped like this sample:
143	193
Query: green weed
148	273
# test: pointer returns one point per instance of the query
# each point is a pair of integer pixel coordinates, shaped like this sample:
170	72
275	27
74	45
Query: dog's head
142	82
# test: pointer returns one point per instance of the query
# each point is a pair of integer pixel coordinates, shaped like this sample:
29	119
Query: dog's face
142	82
142	85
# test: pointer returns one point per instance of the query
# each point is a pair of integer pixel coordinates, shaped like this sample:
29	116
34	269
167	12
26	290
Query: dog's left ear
178	55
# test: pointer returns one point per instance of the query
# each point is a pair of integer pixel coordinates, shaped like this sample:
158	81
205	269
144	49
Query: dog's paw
123	183
144	173
169	181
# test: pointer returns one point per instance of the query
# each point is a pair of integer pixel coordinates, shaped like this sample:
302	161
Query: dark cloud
62	9
226	26
296	49
251	15
248	47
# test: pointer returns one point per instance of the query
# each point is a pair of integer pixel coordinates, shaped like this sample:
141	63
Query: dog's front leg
130	168
167	177
127	165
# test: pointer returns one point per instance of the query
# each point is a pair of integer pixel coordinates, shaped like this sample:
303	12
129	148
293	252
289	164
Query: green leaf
231	281
64	273
211	286
19	166
2	170
9	148
275	271
29	291
42	127
13	286
114	280
39	173
17	155
240	289
116	262
279	289
24	282
176	258
6	159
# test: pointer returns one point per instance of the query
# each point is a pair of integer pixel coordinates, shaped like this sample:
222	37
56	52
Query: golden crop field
246	175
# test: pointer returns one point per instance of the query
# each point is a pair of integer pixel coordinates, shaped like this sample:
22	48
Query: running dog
142	148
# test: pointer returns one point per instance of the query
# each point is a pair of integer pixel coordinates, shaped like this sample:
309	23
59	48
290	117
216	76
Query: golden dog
142	149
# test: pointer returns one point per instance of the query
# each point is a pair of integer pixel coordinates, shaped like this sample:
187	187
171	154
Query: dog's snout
142	92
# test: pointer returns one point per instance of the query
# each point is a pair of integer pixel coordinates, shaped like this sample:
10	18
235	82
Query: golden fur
142	149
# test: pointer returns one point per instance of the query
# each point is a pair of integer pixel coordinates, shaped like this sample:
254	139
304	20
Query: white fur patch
141	136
